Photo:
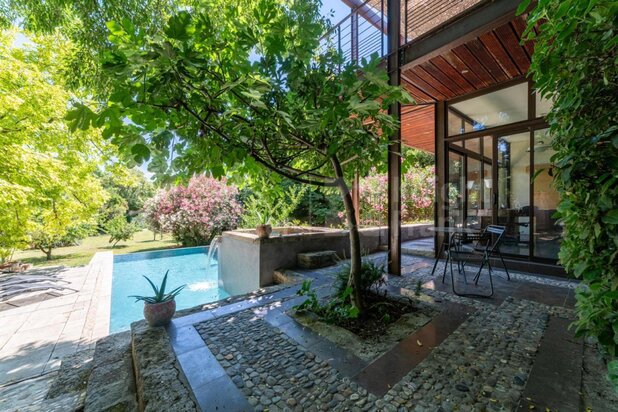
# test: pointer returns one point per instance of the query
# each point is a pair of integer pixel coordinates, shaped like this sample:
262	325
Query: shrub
195	213
371	274
272	204
417	196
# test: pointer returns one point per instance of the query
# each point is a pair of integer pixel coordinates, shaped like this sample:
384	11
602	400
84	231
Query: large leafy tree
241	84
46	176
84	23
575	64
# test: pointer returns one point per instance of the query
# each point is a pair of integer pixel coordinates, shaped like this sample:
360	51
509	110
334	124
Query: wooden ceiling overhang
480	51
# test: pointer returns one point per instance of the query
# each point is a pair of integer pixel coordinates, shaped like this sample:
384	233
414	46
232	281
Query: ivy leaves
575	63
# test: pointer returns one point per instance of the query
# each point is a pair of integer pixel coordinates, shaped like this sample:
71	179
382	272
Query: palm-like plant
159	292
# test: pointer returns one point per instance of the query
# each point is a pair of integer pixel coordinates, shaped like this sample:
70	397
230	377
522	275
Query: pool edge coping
101	266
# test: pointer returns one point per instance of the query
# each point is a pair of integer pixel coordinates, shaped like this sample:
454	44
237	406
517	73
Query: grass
81	254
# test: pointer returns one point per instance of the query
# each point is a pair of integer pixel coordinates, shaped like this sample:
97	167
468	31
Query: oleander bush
196	212
417	196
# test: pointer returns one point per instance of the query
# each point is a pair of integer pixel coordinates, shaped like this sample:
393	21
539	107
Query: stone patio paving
39	329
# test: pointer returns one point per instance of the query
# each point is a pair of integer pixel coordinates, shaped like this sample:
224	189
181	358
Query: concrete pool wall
247	262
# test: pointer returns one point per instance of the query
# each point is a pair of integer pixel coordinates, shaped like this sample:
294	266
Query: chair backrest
496	234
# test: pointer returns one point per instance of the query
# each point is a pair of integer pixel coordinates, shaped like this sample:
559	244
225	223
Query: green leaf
180	26
353	312
80	117
522	7
611	217
141	153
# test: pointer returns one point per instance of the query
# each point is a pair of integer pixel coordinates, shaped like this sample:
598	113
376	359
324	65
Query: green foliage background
575	64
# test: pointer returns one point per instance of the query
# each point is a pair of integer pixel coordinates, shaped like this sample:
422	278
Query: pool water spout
214	248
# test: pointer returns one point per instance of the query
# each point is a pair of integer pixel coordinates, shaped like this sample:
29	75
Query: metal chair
484	244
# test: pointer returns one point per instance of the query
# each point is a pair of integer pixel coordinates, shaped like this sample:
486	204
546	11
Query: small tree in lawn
119	230
248	88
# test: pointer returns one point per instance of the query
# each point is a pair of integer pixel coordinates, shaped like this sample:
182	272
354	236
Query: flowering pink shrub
195	213
417	196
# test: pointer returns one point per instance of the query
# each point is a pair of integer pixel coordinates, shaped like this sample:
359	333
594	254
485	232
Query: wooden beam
477	20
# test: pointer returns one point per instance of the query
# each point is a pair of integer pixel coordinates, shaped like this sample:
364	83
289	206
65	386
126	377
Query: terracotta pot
159	314
263	231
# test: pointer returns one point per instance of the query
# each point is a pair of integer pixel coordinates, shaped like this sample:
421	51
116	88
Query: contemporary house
464	63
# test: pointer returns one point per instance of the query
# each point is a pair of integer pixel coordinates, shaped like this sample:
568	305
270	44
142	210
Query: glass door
513	206
470	185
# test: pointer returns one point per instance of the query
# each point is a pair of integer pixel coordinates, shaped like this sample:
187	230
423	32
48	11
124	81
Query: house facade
466	66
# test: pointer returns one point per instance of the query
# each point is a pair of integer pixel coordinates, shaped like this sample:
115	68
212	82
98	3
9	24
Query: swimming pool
187	266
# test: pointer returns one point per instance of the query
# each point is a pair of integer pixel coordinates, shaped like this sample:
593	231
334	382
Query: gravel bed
483	365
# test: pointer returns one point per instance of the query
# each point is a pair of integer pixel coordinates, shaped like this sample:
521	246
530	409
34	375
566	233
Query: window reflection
547	230
493	109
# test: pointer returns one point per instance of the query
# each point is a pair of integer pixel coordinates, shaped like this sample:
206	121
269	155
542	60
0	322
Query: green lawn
81	255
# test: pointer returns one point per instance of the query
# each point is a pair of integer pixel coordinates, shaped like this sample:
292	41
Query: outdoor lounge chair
13	290
21	279
484	244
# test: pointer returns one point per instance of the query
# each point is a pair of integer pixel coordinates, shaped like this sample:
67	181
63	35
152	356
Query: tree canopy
247	86
84	23
46	178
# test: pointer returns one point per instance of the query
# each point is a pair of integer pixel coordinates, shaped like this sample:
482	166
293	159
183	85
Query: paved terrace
511	352
39	329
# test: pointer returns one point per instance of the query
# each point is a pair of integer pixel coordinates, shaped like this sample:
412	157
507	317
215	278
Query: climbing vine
575	65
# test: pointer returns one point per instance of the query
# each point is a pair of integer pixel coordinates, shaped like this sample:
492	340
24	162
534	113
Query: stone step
160	382
315	260
67	390
555	380
111	385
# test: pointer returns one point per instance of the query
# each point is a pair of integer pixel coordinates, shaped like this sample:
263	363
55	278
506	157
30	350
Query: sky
340	10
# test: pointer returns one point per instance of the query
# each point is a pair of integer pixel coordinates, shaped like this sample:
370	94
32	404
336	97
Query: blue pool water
187	266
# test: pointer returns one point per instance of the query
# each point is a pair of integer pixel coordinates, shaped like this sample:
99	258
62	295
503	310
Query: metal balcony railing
364	31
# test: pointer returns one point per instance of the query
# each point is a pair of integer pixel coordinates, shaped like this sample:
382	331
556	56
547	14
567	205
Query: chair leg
508	277
448	259
478	274
453	281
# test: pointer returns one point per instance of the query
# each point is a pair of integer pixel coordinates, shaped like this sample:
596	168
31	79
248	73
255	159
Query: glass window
547	230
455	189
493	109
543	106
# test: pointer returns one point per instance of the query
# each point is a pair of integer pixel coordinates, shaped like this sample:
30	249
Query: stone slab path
37	331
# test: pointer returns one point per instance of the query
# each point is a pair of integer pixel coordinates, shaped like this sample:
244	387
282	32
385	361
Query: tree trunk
48	251
355	246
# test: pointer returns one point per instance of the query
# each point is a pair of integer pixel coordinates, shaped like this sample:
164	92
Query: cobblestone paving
483	365
274	372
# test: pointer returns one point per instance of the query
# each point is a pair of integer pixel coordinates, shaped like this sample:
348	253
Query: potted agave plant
264	229
160	308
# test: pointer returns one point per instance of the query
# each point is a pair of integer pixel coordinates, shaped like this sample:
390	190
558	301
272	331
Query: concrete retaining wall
247	262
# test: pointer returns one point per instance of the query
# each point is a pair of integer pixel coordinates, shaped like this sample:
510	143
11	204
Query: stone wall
247	262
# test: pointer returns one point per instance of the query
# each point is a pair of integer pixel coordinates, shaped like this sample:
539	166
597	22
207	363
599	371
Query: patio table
444	244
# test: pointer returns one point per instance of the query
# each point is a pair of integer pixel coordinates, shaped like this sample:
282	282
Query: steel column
394	147
441	150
